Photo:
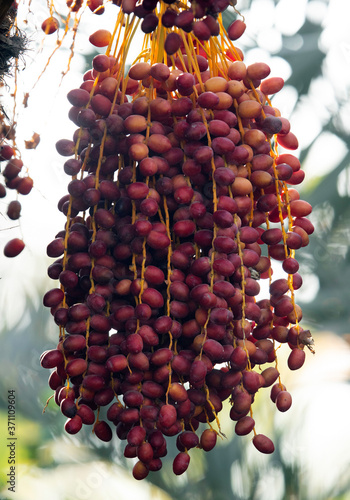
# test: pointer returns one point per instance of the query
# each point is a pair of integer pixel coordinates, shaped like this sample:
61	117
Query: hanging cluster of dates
13	176
178	205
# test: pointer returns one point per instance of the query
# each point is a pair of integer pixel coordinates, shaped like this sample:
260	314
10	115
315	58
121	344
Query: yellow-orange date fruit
100	38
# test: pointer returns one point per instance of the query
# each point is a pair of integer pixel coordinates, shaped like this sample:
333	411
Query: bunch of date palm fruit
178	205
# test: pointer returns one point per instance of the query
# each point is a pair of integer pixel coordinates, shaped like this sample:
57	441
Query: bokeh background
308	44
